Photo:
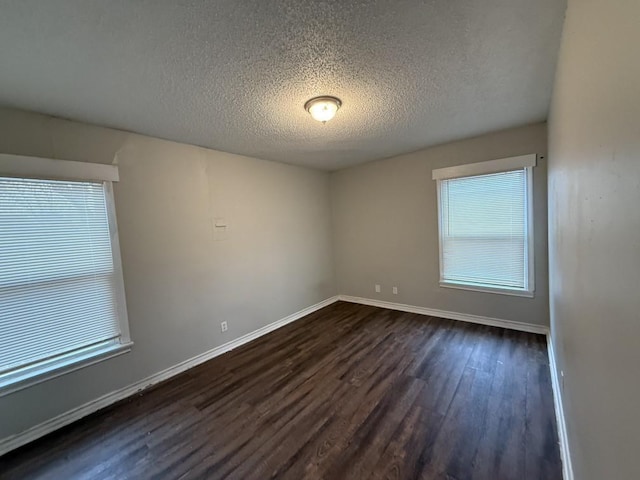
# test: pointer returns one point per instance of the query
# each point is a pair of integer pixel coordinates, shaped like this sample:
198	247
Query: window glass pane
484	229
56	270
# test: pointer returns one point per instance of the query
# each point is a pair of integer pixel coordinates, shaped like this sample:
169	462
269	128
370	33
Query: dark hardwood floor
349	392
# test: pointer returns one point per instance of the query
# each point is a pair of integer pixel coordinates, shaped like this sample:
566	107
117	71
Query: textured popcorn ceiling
234	75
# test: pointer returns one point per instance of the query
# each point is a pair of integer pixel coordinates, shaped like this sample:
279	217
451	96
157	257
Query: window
485	222
61	292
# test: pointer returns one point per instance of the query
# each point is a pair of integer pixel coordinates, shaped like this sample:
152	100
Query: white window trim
526	162
484	168
46	168
52	169
42	371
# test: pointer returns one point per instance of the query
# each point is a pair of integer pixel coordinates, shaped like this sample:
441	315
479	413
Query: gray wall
385	228
594	234
180	283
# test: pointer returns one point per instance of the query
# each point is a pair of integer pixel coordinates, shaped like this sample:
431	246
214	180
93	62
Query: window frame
523	162
49	169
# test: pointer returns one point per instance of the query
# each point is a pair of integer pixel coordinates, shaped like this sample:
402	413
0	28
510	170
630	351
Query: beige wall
180	283
385	228
594	234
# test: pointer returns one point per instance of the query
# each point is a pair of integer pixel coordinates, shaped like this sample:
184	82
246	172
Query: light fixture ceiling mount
323	108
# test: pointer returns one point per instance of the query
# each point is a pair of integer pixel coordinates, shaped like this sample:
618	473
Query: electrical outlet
378	289
395	290
224	327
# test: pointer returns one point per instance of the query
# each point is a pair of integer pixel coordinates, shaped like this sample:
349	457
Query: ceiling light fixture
323	109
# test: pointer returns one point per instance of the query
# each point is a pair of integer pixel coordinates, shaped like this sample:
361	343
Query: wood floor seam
348	392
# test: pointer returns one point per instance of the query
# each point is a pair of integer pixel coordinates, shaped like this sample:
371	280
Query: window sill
487	289
20	379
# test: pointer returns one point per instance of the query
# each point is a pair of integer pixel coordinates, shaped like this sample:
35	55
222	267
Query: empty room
320	239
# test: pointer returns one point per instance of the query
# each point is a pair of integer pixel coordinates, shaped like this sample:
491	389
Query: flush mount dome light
323	109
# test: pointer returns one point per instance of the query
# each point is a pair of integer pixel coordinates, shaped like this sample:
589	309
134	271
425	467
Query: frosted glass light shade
323	109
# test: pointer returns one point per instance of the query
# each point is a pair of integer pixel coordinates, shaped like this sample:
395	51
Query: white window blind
484	230
57	280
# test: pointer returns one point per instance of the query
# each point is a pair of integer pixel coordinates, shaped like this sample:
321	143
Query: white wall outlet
378	289
224	327
395	290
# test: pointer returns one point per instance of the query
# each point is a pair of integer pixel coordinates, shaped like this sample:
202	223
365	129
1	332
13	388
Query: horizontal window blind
483	222
57	292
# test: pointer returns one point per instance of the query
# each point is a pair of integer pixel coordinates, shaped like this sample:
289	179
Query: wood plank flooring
348	392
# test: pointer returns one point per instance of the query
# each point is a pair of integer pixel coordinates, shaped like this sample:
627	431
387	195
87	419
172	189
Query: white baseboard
464	317
15	441
565	453
33	433
567	469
